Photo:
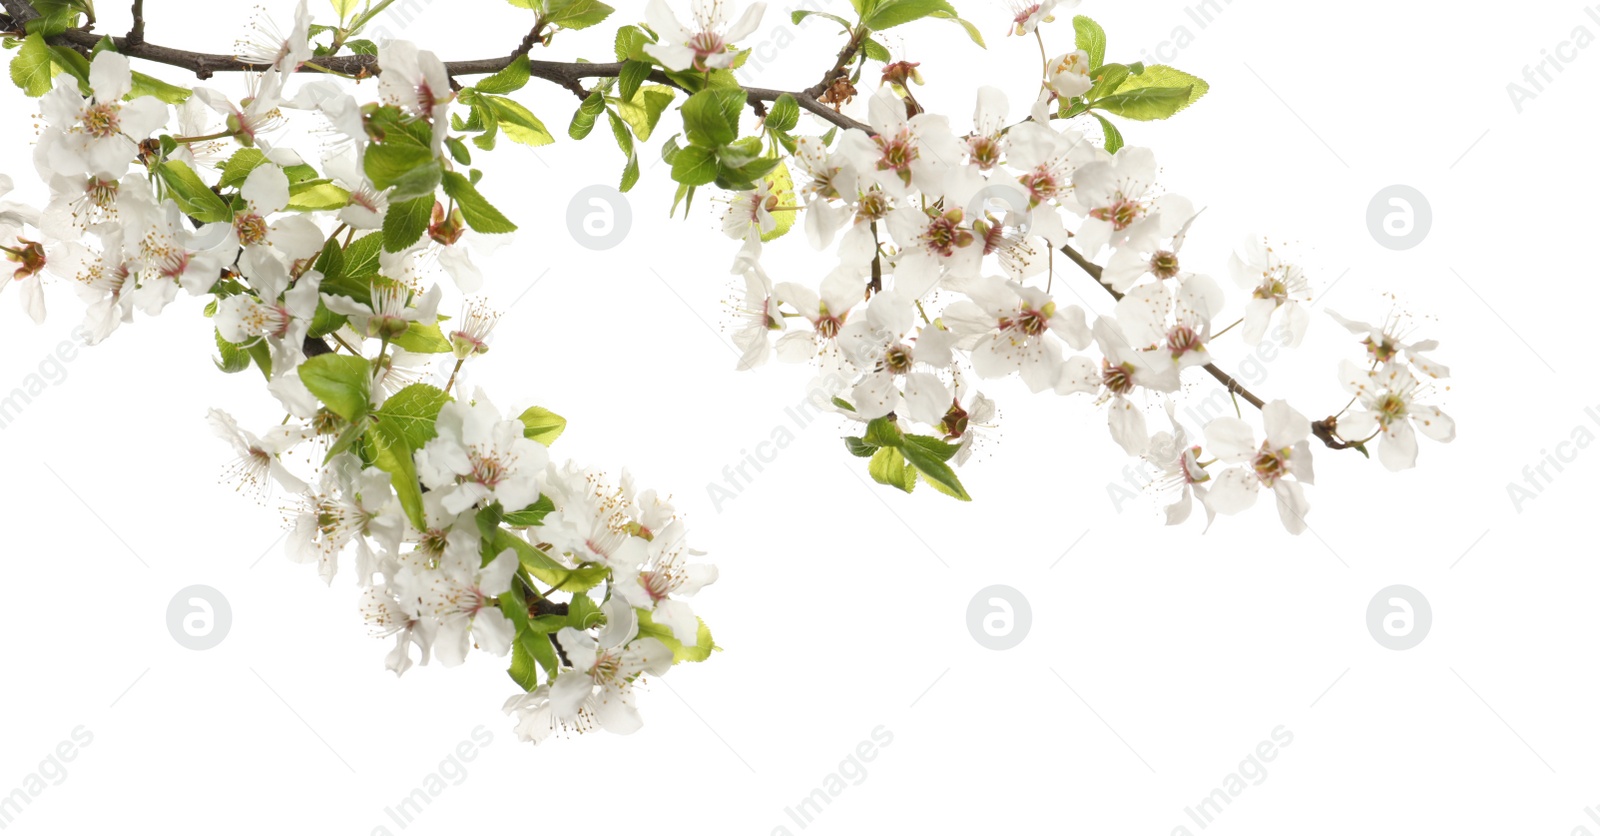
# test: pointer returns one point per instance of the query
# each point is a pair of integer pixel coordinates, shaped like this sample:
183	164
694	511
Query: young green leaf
405	223
423	339
387	448
784	114
508	80
1145	104
576	14
412	411
542	425
342	382
633	74
583	119
644	110
1091	39
192	195
480	214
518	122
1113	136
888	467
711	117
694	166
1161	75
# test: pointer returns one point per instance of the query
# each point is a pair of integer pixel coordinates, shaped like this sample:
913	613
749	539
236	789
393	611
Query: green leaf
801	14
1163	76
711	117
405	222
876	51
888	467
144	85
55	17
510	79
784	114
633	74
930	462
403	164
1145	104
1091	39
971	30
583	119
423	339
387	448
697	652
361	256
525	662
643	111
1107	79
576	14
192	195
239	166
891	13
70	61
545	568
935	448
317	196
340	381
1113	136
694	166
619	130
518	122
412	411
629	44
234	357
882	432
542	425
532	515
858	447
630	173
583	613
480	214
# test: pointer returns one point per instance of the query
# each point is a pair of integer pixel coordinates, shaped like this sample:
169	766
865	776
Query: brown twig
1324	430
843	60
136	33
567	75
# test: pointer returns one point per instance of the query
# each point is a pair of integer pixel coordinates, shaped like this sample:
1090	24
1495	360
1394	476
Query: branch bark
1324	430
567	75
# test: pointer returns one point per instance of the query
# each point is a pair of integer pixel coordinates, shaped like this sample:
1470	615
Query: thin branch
1324	430
136	34
845	54
567	75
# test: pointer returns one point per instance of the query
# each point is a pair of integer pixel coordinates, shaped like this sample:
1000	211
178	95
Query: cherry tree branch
1325	430
136	33
567	75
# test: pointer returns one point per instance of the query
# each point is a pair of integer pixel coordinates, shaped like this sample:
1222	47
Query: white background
1157	659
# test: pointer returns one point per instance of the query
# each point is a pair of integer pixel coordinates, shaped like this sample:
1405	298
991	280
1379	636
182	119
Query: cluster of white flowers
503	549
946	244
322	258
